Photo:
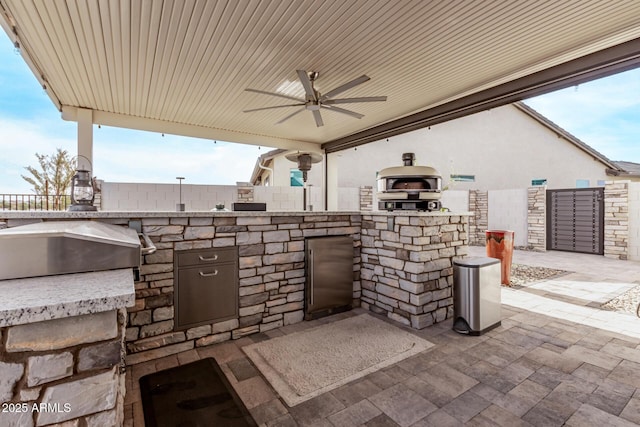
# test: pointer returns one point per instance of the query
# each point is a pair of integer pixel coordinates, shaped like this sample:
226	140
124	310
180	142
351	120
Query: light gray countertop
203	214
53	297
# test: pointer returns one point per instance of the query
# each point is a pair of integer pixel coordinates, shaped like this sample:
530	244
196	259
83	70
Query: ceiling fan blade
343	111
344	87
352	100
274	94
271	108
318	117
290	115
306	83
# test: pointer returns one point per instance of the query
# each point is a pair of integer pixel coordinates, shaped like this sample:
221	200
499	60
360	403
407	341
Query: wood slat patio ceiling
182	66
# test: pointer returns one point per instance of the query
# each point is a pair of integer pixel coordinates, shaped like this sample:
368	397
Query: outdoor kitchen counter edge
37	299
206	214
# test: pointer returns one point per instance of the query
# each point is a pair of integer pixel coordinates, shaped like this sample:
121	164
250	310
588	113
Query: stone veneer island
402	268
61	348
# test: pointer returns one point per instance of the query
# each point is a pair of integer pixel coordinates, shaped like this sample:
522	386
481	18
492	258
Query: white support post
331	182
85	139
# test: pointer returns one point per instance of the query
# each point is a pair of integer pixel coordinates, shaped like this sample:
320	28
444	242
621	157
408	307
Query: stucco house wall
503	148
507	210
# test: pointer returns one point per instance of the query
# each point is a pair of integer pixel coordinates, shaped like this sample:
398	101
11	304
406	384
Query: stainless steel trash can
476	295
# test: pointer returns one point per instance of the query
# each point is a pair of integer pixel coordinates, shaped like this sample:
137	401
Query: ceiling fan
314	101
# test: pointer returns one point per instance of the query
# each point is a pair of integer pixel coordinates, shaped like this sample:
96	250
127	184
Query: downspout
266	168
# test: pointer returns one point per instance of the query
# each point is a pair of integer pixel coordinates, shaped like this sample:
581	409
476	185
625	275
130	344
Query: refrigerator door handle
311	278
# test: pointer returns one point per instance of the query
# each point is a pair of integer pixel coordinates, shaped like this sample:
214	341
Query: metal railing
34	202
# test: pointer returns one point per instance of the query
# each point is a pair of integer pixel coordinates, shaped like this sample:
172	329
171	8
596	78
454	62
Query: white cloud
20	140
122	155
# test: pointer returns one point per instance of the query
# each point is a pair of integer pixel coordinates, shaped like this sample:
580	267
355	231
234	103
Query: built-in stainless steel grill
409	187
61	247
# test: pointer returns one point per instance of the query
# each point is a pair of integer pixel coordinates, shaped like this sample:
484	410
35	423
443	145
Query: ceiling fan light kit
314	101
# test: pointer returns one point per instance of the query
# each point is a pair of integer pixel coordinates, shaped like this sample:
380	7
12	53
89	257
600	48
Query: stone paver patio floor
557	359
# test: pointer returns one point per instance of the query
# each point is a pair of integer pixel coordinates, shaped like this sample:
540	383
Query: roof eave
567	136
622	173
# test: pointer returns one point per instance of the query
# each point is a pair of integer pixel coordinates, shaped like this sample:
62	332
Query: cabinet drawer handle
213	258
203	274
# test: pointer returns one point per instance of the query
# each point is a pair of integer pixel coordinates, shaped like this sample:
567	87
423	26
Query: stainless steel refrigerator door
329	272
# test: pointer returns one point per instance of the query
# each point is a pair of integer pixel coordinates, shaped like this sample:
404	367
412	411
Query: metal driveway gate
575	220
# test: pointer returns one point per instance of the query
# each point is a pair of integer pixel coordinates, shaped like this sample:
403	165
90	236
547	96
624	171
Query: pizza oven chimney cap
408	159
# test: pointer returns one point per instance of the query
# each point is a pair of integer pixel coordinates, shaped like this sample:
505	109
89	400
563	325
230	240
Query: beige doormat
305	364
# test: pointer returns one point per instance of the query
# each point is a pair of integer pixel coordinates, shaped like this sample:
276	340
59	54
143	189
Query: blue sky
605	114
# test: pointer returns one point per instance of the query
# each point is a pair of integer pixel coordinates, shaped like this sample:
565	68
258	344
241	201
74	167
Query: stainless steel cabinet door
206	294
329	272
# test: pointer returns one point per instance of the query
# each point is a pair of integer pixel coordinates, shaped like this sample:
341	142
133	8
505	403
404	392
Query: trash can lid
477	261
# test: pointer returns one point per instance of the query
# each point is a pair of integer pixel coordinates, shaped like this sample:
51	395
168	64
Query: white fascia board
160	126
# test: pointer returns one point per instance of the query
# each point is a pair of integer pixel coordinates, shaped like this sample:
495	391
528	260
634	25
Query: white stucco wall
128	196
508	211
349	199
504	148
634	221
456	200
125	196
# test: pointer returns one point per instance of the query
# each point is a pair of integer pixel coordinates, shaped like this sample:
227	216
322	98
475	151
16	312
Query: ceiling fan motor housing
315	102
313	105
